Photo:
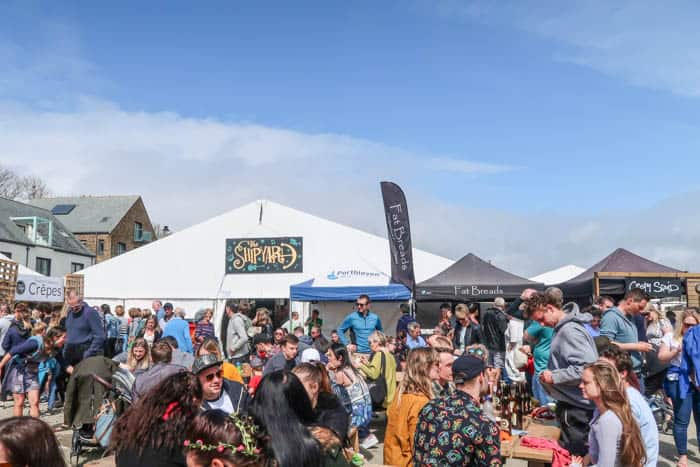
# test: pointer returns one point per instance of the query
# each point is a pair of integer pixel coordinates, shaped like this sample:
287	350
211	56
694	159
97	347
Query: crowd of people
260	395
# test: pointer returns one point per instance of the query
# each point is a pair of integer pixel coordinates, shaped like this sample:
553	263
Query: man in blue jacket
178	328
85	334
363	323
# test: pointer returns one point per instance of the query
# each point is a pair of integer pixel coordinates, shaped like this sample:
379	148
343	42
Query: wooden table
536	457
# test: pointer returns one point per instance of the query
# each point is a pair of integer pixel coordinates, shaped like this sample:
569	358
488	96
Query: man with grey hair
178	328
494	324
85	333
414	340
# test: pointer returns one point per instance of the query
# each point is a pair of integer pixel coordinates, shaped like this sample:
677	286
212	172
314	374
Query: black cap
467	367
404	308
168	306
205	361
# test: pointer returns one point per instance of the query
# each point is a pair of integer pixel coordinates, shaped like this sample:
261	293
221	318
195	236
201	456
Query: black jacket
330	413
494	324
471	337
238	395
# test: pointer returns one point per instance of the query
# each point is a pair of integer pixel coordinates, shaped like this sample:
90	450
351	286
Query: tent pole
596	285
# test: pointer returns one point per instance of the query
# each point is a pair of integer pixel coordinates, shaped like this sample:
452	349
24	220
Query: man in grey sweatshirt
571	349
237	335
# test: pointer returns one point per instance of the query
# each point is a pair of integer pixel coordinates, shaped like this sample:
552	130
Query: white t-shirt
222	403
515	331
673	345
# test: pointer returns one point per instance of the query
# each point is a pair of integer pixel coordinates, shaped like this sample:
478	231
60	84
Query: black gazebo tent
582	287
472	279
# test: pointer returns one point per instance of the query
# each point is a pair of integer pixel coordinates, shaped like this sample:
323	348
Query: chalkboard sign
656	287
264	255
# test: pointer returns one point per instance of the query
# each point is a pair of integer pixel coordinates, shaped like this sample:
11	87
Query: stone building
36	238
106	225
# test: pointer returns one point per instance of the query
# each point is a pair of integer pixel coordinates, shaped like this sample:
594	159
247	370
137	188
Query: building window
100	247
75	267
121	248
43	266
138	231
6	253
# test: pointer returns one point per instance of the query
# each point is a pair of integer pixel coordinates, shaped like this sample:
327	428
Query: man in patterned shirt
452	430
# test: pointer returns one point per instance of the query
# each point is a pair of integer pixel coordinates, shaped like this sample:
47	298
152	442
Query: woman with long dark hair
217	439
282	407
152	431
350	387
615	438
28	441
151	330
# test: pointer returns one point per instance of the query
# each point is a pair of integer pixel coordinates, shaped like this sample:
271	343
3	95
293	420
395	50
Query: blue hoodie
85	326
690	363
363	326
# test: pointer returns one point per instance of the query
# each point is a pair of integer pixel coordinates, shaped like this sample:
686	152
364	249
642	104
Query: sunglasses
360	304
210	377
477	352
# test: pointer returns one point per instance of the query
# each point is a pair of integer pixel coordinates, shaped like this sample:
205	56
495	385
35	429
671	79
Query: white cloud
467	167
190	169
648	43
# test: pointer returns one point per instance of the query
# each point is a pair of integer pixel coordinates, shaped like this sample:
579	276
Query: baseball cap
205	361
168	306
467	367
310	355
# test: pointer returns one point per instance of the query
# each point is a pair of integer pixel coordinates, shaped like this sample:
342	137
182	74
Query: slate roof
63	239
92	214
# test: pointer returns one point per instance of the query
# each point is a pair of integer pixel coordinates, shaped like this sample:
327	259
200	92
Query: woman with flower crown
217	439
152	432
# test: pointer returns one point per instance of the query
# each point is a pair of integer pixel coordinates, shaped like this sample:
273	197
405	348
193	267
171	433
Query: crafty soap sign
656	287
264	255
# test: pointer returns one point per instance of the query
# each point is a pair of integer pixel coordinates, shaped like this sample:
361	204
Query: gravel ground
373	456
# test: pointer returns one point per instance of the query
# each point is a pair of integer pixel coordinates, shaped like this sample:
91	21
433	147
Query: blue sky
500	115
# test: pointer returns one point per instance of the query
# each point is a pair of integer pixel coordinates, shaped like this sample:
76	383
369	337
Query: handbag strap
383	364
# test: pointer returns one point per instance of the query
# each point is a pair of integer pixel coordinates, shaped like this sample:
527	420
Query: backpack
112	325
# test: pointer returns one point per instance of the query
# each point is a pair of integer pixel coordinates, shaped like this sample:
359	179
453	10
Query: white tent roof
189	265
559	275
23	270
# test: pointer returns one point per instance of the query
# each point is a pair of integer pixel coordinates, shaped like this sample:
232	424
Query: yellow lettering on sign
248	252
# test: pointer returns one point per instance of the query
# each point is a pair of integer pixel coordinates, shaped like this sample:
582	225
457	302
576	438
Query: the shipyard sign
264	255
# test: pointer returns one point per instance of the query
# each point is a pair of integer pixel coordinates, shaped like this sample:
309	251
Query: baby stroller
663	412
98	392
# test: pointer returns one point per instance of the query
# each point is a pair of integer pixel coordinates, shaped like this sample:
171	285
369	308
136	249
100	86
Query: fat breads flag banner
399	230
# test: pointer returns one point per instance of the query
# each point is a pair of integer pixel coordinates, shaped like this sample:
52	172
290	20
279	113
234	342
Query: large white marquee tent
558	275
188	267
